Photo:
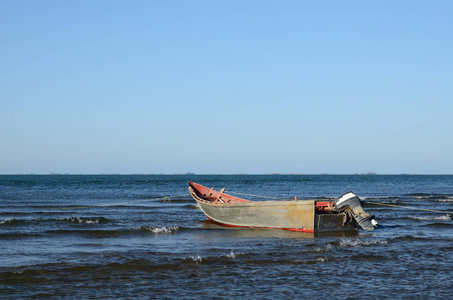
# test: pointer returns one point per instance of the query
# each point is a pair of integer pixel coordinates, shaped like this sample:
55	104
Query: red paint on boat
290	229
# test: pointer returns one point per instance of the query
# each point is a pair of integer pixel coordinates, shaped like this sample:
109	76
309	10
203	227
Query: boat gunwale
244	201
196	189
257	203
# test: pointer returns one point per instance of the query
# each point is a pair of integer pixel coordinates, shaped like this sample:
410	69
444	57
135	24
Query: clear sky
226	87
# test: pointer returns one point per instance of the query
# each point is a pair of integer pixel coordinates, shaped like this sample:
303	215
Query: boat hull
304	215
291	215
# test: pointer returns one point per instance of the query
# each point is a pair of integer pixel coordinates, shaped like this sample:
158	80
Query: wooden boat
297	215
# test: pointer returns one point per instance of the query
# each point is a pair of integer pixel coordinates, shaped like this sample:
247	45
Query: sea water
130	236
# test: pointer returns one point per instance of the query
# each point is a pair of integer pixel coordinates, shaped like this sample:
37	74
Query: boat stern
349	203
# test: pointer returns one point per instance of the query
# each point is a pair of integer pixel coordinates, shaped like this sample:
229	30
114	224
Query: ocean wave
18	235
412	238
321	259
18	213
390	201
197	259
193	259
74	220
192	206
446	199
435	197
107	233
440	225
11	221
360	243
84	220
176	200
98	233
379	198
164	230
230	255
326	248
383	200
446	217
416	194
211	260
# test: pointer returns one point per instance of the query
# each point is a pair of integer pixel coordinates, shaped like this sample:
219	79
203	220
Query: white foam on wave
447	199
6	221
91	221
165	229
390	201
311	261
446	217
80	220
360	243
231	255
383	199
327	248
197	259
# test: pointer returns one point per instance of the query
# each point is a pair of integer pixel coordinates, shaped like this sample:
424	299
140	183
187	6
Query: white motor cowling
350	202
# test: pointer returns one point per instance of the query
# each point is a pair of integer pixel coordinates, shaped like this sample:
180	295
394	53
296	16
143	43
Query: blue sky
226	87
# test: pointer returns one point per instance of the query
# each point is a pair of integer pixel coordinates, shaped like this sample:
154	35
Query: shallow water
114	236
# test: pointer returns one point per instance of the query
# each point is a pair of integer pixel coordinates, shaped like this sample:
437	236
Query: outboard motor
351	203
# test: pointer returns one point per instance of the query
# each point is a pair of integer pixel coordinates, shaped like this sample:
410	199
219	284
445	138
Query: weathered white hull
297	215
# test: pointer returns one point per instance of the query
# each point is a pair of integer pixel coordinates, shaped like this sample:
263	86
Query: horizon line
216	174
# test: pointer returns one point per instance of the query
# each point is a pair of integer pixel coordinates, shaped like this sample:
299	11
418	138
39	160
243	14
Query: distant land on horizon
217	174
